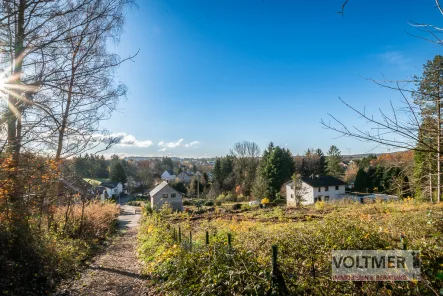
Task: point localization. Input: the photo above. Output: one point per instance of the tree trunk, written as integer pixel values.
(438, 144)
(14, 126)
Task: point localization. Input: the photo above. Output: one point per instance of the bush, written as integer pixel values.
(242, 198)
(209, 203)
(136, 203)
(246, 207)
(265, 200)
(231, 197)
(280, 201)
(218, 203)
(186, 203)
(319, 205)
(50, 254)
(236, 206)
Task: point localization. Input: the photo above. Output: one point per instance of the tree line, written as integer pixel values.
(248, 172)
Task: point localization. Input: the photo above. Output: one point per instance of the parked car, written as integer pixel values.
(254, 203)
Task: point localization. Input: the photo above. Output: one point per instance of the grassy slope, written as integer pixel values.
(305, 238)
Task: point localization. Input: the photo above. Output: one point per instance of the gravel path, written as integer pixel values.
(116, 272)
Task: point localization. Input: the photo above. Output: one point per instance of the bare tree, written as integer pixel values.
(246, 158)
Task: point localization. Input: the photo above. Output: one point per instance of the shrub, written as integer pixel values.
(209, 203)
(221, 198)
(50, 254)
(265, 200)
(246, 207)
(231, 197)
(320, 205)
(136, 203)
(166, 209)
(280, 201)
(186, 203)
(242, 198)
(236, 206)
(218, 203)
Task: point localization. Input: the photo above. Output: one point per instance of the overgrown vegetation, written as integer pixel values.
(304, 248)
(55, 251)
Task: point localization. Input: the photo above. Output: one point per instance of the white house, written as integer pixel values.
(111, 188)
(315, 188)
(164, 193)
(183, 177)
(168, 175)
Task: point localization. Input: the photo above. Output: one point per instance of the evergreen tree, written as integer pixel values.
(321, 165)
(333, 167)
(118, 173)
(217, 171)
(179, 186)
(362, 182)
(275, 168)
(428, 96)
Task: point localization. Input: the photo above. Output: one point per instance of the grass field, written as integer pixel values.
(96, 181)
(305, 238)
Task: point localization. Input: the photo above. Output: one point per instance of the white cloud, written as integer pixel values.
(191, 144)
(162, 150)
(123, 139)
(170, 144)
(178, 143)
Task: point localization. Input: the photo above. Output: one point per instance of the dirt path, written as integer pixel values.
(117, 272)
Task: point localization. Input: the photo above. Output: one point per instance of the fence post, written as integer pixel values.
(190, 241)
(179, 234)
(403, 242)
(274, 263)
(207, 237)
(278, 286)
(229, 240)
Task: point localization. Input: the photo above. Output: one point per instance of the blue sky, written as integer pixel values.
(211, 73)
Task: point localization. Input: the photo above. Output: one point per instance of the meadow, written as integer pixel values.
(238, 261)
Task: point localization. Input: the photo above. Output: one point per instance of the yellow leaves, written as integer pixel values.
(265, 200)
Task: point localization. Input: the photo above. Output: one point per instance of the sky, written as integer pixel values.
(210, 73)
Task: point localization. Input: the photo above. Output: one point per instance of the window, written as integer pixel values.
(336, 187)
(326, 198)
(326, 188)
(319, 189)
(172, 194)
(164, 195)
(292, 196)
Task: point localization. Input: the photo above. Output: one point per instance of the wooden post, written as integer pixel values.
(274, 265)
(229, 240)
(179, 234)
(403, 242)
(207, 237)
(190, 241)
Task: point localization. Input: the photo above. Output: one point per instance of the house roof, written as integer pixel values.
(78, 185)
(169, 172)
(322, 181)
(160, 187)
(109, 184)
